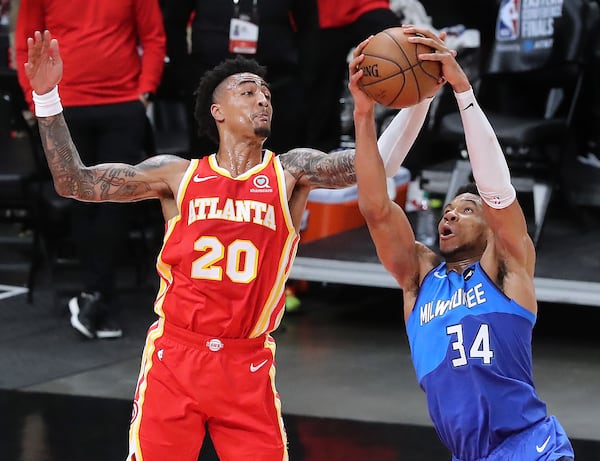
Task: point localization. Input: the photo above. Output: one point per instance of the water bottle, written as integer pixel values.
(426, 225)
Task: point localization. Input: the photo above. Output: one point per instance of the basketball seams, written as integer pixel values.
(386, 33)
(366, 85)
(427, 72)
(410, 68)
(418, 63)
(394, 76)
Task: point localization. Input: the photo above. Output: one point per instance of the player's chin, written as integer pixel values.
(447, 250)
(262, 131)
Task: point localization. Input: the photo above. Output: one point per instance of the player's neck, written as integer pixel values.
(239, 157)
(459, 265)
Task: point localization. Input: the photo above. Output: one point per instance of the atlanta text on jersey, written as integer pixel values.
(232, 210)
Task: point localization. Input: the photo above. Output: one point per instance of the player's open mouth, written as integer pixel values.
(446, 232)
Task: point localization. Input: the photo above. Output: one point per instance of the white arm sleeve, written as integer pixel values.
(399, 136)
(490, 170)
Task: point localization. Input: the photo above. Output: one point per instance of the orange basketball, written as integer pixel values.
(393, 74)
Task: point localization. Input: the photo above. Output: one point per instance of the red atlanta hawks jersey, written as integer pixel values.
(227, 255)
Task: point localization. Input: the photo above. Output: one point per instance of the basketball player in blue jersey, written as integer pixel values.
(469, 315)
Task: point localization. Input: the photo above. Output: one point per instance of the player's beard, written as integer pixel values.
(474, 246)
(455, 253)
(263, 131)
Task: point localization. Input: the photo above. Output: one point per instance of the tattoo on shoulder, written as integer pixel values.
(320, 169)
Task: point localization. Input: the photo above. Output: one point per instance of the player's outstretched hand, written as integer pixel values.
(363, 103)
(451, 69)
(44, 66)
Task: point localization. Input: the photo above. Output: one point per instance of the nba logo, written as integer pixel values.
(509, 19)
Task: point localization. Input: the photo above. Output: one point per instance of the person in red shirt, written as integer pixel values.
(114, 56)
(341, 26)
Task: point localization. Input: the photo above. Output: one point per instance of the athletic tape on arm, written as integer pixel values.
(399, 136)
(490, 170)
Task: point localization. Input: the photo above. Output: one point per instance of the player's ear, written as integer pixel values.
(217, 112)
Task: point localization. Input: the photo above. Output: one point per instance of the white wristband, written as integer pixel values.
(47, 104)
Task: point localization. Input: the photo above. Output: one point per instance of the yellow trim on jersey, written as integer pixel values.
(212, 160)
(283, 198)
(166, 280)
(185, 180)
(163, 269)
(285, 262)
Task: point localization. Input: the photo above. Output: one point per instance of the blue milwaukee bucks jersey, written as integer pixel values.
(471, 349)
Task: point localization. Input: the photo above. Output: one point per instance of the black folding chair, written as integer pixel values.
(530, 89)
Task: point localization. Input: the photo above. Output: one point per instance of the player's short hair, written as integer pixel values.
(469, 188)
(209, 82)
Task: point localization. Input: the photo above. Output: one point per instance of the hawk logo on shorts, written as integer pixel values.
(214, 345)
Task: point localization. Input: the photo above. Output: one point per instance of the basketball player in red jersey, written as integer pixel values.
(232, 222)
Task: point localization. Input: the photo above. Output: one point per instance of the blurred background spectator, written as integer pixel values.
(341, 26)
(277, 33)
(591, 154)
(4, 33)
(114, 56)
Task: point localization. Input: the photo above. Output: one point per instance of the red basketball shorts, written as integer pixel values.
(190, 383)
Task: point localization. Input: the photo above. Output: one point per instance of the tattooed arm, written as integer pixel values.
(307, 169)
(316, 169)
(156, 177)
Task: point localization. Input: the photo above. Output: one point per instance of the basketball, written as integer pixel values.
(393, 75)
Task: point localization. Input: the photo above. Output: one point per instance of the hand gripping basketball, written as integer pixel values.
(393, 74)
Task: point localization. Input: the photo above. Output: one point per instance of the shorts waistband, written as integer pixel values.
(547, 433)
(212, 343)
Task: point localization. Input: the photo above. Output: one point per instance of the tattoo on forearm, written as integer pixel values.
(110, 182)
(116, 183)
(324, 170)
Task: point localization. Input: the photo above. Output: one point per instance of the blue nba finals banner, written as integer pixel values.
(525, 34)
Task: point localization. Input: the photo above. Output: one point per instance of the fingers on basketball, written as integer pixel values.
(393, 75)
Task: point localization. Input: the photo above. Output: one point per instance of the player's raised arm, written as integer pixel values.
(316, 169)
(108, 182)
(388, 225)
(115, 182)
(490, 170)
